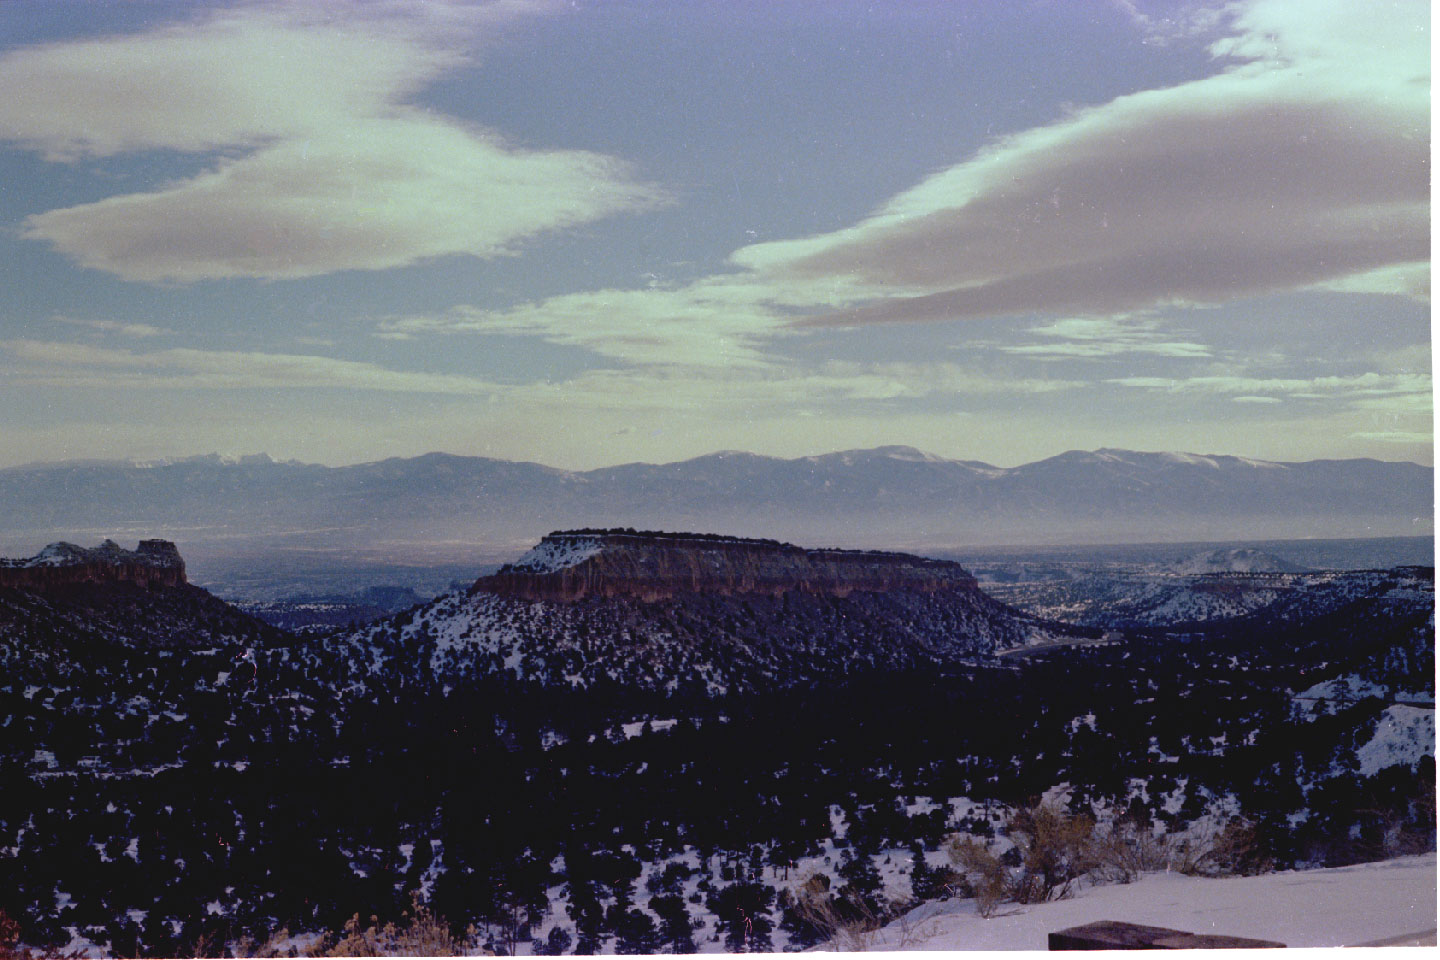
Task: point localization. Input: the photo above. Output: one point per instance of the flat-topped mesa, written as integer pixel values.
(152, 563)
(575, 564)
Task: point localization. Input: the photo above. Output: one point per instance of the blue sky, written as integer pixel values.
(595, 232)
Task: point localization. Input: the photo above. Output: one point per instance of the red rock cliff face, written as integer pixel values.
(566, 567)
(154, 563)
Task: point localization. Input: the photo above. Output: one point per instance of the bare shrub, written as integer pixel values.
(426, 935)
(912, 933)
(275, 945)
(847, 922)
(1128, 850)
(1056, 850)
(10, 948)
(986, 878)
(10, 938)
(1232, 850)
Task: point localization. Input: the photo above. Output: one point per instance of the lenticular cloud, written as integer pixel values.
(1272, 176)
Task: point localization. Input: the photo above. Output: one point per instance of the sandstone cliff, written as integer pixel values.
(572, 565)
(153, 563)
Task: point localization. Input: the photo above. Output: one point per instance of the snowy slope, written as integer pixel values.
(1314, 908)
(1352, 687)
(1403, 735)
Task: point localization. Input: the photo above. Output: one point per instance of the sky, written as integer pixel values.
(601, 231)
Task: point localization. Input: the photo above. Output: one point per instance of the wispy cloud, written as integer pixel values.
(725, 395)
(1393, 436)
(1173, 21)
(1093, 337)
(723, 321)
(1402, 391)
(321, 163)
(716, 392)
(38, 362)
(713, 323)
(138, 330)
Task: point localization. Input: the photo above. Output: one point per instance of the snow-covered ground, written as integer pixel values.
(1352, 687)
(1312, 908)
(1403, 735)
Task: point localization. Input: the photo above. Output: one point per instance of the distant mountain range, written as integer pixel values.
(894, 497)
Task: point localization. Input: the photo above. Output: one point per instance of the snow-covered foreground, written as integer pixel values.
(1311, 908)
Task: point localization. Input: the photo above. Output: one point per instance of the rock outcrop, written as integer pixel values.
(568, 566)
(153, 563)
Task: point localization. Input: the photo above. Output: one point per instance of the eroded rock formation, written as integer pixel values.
(153, 563)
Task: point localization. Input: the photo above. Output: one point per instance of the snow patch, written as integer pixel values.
(1192, 459)
(638, 727)
(1403, 735)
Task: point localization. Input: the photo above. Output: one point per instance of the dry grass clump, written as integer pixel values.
(425, 935)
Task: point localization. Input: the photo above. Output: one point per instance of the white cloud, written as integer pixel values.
(1306, 162)
(392, 192)
(321, 163)
(232, 78)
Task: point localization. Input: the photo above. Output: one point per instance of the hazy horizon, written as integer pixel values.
(237, 458)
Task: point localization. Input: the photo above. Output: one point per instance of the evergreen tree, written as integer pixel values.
(635, 933)
(743, 913)
(924, 882)
(862, 879)
(553, 945)
(588, 915)
(675, 930)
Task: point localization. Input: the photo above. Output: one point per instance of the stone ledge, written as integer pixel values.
(1423, 938)
(1118, 935)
